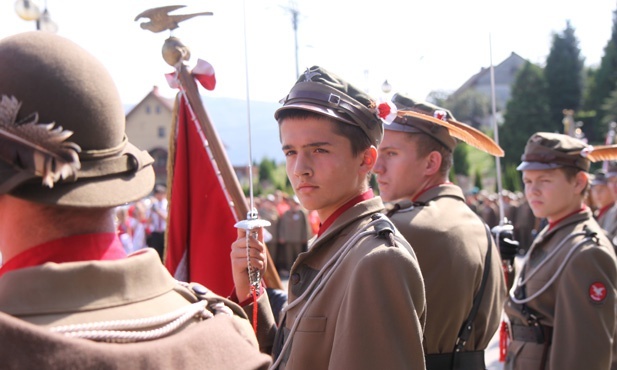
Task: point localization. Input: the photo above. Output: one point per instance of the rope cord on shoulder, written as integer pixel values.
(317, 284)
(521, 282)
(124, 331)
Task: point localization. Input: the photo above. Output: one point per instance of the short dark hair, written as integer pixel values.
(358, 139)
(570, 173)
(425, 144)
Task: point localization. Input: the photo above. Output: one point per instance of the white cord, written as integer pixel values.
(522, 282)
(327, 270)
(123, 331)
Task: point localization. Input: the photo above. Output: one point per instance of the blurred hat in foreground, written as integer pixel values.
(62, 126)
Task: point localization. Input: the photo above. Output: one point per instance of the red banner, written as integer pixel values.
(200, 226)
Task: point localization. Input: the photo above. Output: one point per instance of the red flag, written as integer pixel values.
(200, 226)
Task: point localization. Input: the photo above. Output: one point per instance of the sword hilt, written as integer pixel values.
(251, 224)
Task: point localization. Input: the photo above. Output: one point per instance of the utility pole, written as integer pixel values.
(293, 10)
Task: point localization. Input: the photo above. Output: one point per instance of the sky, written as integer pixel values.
(418, 46)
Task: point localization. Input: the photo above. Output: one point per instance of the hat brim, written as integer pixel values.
(534, 166)
(96, 192)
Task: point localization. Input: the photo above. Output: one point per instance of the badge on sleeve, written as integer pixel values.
(597, 292)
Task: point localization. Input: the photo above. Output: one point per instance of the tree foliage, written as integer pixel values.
(564, 75)
(460, 162)
(469, 107)
(527, 112)
(604, 79)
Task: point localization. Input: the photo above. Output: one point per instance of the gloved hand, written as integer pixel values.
(504, 236)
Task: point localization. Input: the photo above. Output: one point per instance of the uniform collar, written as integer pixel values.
(86, 286)
(444, 189)
(330, 220)
(84, 247)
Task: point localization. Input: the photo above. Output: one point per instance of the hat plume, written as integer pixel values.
(460, 131)
(35, 147)
(600, 153)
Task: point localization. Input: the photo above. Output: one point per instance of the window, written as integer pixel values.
(161, 131)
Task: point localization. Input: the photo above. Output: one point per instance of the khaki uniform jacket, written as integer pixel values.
(450, 241)
(34, 299)
(583, 319)
(370, 313)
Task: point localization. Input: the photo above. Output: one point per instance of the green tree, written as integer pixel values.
(460, 162)
(477, 182)
(469, 107)
(604, 79)
(512, 178)
(564, 76)
(527, 112)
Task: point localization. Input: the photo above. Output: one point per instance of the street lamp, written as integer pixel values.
(386, 87)
(28, 10)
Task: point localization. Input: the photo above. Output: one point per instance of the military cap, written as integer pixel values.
(612, 170)
(598, 178)
(322, 92)
(62, 124)
(546, 150)
(424, 124)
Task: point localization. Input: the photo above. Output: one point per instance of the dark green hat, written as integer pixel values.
(425, 123)
(322, 92)
(545, 150)
(62, 121)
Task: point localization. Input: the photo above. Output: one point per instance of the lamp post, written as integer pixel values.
(29, 10)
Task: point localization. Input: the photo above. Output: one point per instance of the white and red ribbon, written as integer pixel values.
(203, 72)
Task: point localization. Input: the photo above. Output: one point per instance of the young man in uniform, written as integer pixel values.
(356, 297)
(562, 306)
(69, 296)
(451, 241)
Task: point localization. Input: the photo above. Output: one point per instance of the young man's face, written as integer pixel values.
(398, 167)
(550, 194)
(320, 164)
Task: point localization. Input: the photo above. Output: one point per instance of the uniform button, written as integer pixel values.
(295, 278)
(199, 289)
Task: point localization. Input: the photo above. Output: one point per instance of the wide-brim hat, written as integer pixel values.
(438, 123)
(324, 93)
(60, 97)
(424, 122)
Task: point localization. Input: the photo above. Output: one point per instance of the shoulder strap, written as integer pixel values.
(465, 331)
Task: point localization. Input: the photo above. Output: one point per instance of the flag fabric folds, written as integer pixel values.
(200, 227)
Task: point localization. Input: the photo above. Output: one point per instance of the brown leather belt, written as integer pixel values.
(534, 333)
(473, 360)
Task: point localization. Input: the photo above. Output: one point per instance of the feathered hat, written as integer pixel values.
(62, 138)
(439, 123)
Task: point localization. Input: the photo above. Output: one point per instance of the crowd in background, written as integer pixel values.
(140, 223)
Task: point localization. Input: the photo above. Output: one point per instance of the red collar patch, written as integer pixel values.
(597, 292)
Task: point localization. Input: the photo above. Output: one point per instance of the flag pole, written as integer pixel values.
(228, 175)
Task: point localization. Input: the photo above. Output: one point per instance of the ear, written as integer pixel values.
(369, 157)
(580, 181)
(433, 163)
